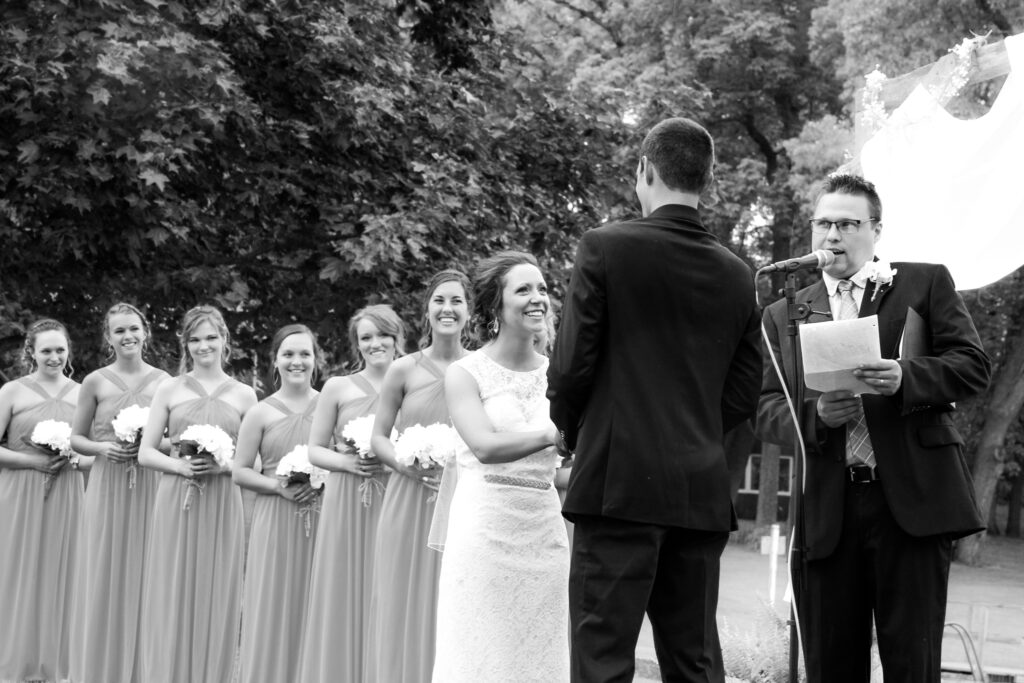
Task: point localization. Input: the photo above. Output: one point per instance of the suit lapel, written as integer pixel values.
(872, 300)
(817, 299)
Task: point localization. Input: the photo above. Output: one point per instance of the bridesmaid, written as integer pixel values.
(117, 508)
(192, 587)
(39, 528)
(339, 600)
(404, 595)
(284, 517)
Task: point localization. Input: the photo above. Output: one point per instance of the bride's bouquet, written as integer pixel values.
(356, 435)
(426, 447)
(295, 468)
(204, 441)
(128, 426)
(53, 436)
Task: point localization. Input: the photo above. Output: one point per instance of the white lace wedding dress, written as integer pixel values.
(502, 612)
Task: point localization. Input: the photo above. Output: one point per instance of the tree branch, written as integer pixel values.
(596, 20)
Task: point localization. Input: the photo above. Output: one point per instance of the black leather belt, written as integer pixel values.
(862, 474)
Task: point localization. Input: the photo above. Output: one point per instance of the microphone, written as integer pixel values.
(816, 259)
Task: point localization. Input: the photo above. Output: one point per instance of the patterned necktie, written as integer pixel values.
(858, 441)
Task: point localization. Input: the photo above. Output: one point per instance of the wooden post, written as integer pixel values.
(768, 487)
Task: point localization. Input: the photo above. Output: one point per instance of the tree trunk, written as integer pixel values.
(1016, 500)
(1003, 408)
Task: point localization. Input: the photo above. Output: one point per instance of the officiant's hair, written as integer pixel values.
(387, 322)
(275, 346)
(683, 152)
(488, 284)
(34, 330)
(847, 183)
(193, 319)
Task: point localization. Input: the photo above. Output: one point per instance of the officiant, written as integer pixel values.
(887, 487)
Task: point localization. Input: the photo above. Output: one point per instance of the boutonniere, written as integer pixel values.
(882, 274)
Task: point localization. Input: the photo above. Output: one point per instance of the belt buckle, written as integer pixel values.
(862, 474)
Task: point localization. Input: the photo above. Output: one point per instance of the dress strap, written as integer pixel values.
(114, 378)
(149, 379)
(194, 384)
(276, 403)
(34, 386)
(429, 365)
(64, 391)
(363, 384)
(223, 387)
(311, 408)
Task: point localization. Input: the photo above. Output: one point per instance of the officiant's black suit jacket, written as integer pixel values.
(918, 450)
(657, 355)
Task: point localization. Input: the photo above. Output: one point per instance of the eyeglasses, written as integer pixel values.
(845, 226)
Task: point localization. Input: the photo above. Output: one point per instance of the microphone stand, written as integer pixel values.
(796, 314)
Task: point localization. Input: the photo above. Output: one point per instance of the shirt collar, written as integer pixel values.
(859, 279)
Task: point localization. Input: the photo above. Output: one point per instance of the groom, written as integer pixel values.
(657, 356)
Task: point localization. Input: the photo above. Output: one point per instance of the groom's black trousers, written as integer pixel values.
(622, 569)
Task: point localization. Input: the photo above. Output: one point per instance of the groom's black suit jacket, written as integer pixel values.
(657, 355)
(918, 451)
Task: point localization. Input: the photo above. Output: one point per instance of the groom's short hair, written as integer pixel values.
(683, 152)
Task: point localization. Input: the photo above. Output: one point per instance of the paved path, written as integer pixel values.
(987, 600)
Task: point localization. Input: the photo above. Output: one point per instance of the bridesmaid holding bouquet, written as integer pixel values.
(117, 508)
(404, 595)
(339, 601)
(40, 510)
(193, 583)
(285, 515)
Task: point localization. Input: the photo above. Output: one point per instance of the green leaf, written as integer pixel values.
(154, 177)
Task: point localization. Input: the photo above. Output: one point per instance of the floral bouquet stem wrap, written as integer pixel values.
(295, 468)
(204, 441)
(128, 429)
(54, 437)
(356, 437)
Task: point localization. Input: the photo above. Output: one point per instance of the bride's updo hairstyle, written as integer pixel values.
(193, 319)
(488, 283)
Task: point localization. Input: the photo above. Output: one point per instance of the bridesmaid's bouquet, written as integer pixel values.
(204, 441)
(426, 447)
(54, 437)
(295, 468)
(356, 435)
(128, 429)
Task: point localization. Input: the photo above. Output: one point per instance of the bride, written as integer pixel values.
(502, 611)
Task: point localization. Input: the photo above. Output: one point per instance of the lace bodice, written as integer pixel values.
(515, 402)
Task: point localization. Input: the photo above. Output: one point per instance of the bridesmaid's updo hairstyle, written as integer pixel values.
(275, 346)
(28, 362)
(193, 319)
(386, 320)
(488, 283)
(438, 279)
(122, 307)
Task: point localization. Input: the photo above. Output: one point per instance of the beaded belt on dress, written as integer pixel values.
(517, 481)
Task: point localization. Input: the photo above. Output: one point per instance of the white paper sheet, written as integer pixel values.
(832, 350)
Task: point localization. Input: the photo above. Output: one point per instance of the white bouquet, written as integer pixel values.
(204, 441)
(207, 441)
(357, 434)
(426, 447)
(53, 436)
(129, 423)
(295, 468)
